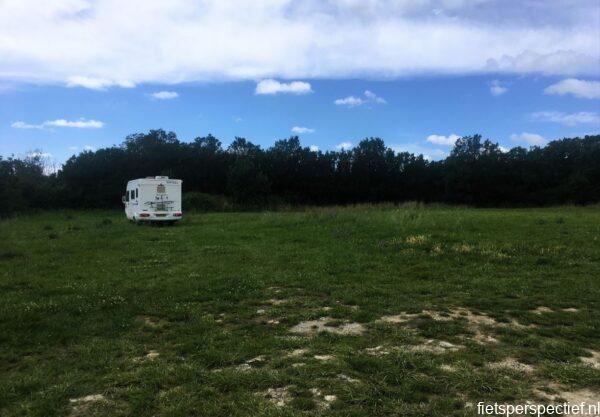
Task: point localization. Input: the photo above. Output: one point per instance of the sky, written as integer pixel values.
(79, 75)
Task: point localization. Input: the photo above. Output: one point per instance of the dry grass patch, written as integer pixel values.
(153, 322)
(279, 397)
(322, 401)
(348, 379)
(247, 366)
(278, 301)
(593, 360)
(81, 406)
(297, 352)
(476, 323)
(512, 364)
(377, 351)
(462, 248)
(324, 358)
(542, 310)
(437, 347)
(416, 240)
(151, 355)
(557, 394)
(313, 327)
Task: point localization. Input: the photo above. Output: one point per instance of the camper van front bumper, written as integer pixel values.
(159, 217)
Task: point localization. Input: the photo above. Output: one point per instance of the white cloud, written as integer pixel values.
(165, 95)
(449, 140)
(568, 119)
(96, 83)
(73, 148)
(103, 43)
(349, 101)
(352, 101)
(43, 155)
(579, 88)
(558, 61)
(344, 146)
(89, 148)
(238, 120)
(497, 89)
(300, 129)
(374, 98)
(80, 124)
(314, 148)
(275, 87)
(529, 138)
(22, 125)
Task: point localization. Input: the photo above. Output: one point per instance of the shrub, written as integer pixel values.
(205, 202)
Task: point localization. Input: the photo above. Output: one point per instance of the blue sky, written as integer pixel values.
(413, 73)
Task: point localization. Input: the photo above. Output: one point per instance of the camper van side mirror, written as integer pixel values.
(123, 199)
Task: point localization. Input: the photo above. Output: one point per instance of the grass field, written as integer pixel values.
(366, 311)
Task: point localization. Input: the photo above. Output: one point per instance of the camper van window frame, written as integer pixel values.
(127, 196)
(133, 194)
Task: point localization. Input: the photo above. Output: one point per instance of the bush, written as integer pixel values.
(205, 202)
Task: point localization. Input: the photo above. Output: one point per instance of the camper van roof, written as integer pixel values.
(157, 178)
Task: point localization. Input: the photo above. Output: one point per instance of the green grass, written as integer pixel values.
(84, 296)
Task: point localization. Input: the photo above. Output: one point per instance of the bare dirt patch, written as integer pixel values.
(312, 327)
(542, 310)
(324, 358)
(80, 406)
(322, 401)
(348, 379)
(593, 360)
(297, 352)
(448, 368)
(151, 355)
(278, 301)
(512, 364)
(279, 397)
(250, 364)
(377, 351)
(153, 321)
(482, 338)
(570, 310)
(477, 322)
(398, 318)
(247, 366)
(557, 393)
(436, 347)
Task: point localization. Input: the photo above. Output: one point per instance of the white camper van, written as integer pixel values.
(153, 199)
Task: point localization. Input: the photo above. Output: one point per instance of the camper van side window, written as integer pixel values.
(132, 194)
(136, 193)
(127, 196)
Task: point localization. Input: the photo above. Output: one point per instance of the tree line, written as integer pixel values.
(476, 172)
